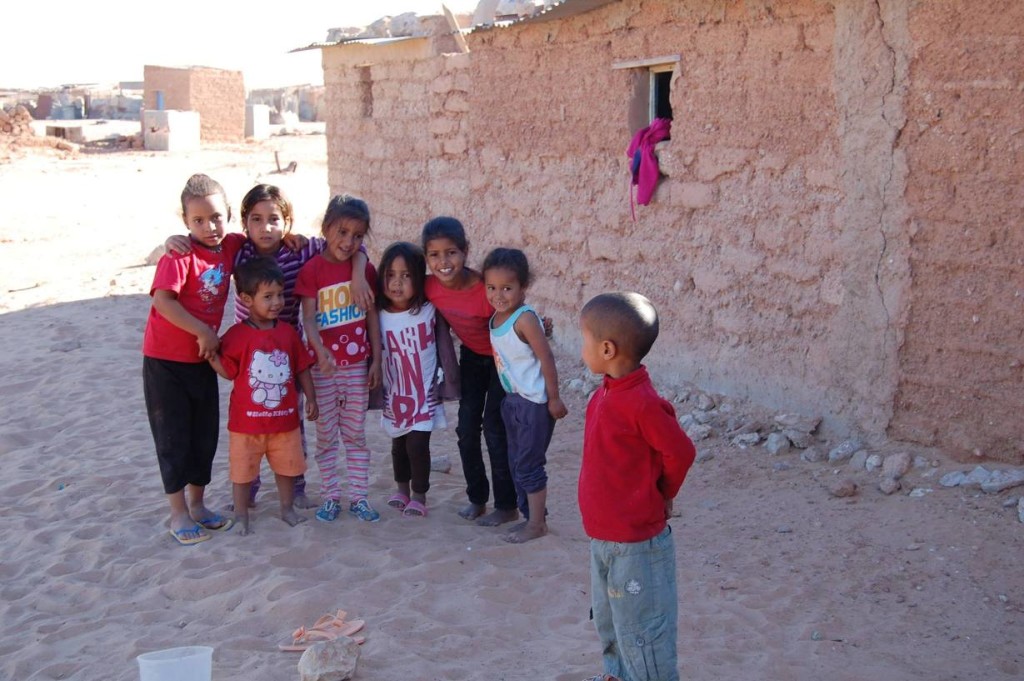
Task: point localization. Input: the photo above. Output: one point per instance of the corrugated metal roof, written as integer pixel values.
(359, 41)
(561, 10)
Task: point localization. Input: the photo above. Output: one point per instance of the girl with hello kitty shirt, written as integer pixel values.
(268, 363)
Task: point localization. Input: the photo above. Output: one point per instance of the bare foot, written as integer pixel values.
(243, 527)
(518, 526)
(292, 518)
(526, 532)
(472, 511)
(302, 501)
(498, 517)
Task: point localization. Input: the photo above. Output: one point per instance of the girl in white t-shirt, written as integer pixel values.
(412, 406)
(526, 368)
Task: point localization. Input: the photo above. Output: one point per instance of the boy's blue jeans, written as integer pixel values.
(633, 594)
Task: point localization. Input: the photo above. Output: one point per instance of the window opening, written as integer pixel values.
(652, 89)
(661, 103)
(366, 91)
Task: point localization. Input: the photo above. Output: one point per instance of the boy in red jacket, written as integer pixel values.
(635, 457)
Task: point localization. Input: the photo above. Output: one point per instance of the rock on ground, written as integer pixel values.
(843, 488)
(844, 450)
(896, 465)
(329, 661)
(889, 485)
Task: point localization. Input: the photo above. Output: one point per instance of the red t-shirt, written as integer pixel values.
(635, 457)
(263, 364)
(467, 311)
(342, 325)
(200, 280)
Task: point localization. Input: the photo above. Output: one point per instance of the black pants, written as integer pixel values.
(184, 415)
(480, 409)
(410, 457)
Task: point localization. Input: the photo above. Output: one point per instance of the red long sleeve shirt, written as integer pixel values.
(635, 457)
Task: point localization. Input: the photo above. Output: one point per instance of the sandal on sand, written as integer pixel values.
(217, 523)
(327, 628)
(398, 501)
(190, 535)
(415, 509)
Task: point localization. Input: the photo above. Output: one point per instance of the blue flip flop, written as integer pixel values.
(183, 538)
(217, 523)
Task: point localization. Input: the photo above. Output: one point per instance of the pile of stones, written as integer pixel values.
(17, 122)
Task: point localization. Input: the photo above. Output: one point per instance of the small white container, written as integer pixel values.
(190, 663)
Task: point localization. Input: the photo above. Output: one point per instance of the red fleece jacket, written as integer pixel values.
(635, 457)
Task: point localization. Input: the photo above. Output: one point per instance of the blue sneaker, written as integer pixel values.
(361, 509)
(329, 511)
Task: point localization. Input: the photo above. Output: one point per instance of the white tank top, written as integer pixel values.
(518, 368)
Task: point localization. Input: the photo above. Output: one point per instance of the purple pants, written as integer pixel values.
(529, 426)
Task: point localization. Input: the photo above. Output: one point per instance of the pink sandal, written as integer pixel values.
(415, 509)
(327, 628)
(398, 501)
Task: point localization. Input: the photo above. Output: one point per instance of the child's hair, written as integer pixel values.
(511, 259)
(417, 264)
(445, 227)
(628, 319)
(251, 273)
(200, 186)
(267, 192)
(345, 207)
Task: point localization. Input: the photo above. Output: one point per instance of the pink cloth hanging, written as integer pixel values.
(644, 162)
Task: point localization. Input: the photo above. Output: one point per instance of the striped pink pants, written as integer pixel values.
(342, 397)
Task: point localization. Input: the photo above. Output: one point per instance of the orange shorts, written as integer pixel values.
(283, 450)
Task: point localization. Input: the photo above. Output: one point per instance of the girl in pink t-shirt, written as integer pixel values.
(348, 363)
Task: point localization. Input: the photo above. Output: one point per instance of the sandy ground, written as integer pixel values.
(777, 578)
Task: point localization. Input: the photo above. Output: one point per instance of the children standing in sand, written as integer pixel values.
(526, 368)
(348, 363)
(635, 458)
(189, 292)
(267, 219)
(266, 359)
(412, 406)
(458, 294)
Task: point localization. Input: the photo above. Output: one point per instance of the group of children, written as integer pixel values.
(319, 329)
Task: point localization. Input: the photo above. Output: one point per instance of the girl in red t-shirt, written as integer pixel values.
(458, 294)
(338, 331)
(189, 292)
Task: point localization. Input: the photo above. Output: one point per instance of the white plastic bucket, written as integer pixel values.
(191, 663)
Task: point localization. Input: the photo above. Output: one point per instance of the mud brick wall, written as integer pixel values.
(961, 376)
(218, 95)
(397, 134)
(837, 230)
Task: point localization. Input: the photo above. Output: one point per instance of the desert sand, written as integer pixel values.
(777, 578)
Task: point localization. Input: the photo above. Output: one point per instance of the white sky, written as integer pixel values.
(77, 41)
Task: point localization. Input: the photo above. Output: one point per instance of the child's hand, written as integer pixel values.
(557, 408)
(295, 242)
(208, 344)
(373, 380)
(324, 362)
(312, 410)
(362, 294)
(668, 508)
(179, 243)
(549, 330)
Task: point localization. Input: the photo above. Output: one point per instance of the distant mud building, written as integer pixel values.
(218, 95)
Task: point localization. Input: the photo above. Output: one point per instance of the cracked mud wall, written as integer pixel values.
(789, 246)
(870, 74)
(961, 378)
